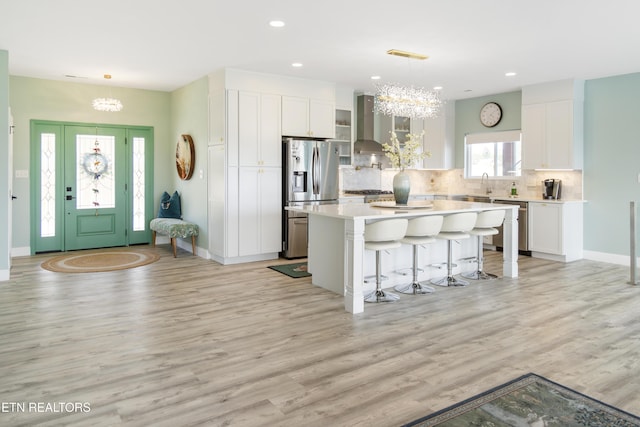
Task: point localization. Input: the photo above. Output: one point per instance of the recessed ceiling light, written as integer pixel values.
(375, 77)
(437, 88)
(297, 64)
(510, 74)
(276, 24)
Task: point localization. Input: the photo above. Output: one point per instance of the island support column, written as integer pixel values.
(353, 266)
(510, 243)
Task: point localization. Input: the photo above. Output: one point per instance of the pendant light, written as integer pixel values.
(107, 104)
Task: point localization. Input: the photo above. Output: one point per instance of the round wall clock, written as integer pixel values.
(185, 157)
(490, 114)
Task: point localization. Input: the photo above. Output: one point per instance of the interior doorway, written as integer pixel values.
(93, 185)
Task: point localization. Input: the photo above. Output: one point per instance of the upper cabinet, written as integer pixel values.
(439, 138)
(309, 118)
(344, 135)
(552, 123)
(259, 137)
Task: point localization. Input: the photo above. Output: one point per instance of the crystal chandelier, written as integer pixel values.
(107, 104)
(406, 101)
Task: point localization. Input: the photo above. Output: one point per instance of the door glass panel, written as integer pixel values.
(47, 185)
(138, 184)
(95, 177)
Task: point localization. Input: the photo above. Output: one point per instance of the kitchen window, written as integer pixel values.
(498, 154)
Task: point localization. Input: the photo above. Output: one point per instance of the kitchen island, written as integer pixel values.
(336, 240)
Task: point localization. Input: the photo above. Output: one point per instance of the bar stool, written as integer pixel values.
(420, 231)
(381, 236)
(485, 224)
(454, 227)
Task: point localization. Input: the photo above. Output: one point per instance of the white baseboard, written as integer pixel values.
(23, 251)
(610, 258)
(4, 275)
(241, 259)
(183, 244)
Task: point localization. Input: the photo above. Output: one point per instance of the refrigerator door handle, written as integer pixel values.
(314, 171)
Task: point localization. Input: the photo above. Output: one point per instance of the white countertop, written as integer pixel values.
(367, 211)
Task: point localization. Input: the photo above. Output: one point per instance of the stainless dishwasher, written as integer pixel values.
(523, 239)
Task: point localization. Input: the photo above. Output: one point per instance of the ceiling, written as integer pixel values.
(471, 44)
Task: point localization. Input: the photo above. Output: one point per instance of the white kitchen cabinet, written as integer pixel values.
(344, 135)
(259, 137)
(555, 230)
(260, 210)
(306, 117)
(439, 138)
(547, 136)
(552, 125)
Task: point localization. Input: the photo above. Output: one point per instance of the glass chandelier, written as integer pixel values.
(406, 101)
(107, 104)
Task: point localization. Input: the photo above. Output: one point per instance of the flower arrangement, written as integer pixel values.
(407, 156)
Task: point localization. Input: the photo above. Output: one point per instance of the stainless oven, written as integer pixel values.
(371, 196)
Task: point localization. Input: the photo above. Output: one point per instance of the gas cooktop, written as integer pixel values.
(367, 192)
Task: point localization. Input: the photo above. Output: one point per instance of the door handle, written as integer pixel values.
(13, 197)
(70, 197)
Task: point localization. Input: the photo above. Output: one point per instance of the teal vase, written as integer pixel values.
(401, 188)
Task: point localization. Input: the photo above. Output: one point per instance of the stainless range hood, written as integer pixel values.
(365, 142)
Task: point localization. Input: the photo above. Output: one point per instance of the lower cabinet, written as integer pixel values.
(555, 230)
(259, 211)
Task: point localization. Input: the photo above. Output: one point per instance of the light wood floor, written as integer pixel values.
(189, 342)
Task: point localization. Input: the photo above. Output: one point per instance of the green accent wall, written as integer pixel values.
(611, 161)
(40, 99)
(468, 118)
(189, 115)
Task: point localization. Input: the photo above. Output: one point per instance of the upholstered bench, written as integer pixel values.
(174, 228)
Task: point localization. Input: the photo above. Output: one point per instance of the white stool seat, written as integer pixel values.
(380, 236)
(484, 226)
(454, 227)
(420, 231)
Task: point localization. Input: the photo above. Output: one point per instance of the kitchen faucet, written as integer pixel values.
(377, 165)
(482, 180)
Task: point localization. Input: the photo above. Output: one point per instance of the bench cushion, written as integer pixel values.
(174, 227)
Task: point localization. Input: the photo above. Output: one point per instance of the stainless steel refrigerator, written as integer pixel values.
(310, 177)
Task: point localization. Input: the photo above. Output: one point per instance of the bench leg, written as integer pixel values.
(153, 238)
(193, 244)
(173, 245)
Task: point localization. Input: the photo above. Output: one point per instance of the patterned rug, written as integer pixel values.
(530, 400)
(296, 270)
(99, 260)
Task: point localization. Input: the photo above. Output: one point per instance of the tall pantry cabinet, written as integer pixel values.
(245, 163)
(245, 197)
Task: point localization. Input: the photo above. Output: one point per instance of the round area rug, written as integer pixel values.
(98, 261)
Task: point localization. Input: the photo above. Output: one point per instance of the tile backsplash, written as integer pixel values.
(453, 182)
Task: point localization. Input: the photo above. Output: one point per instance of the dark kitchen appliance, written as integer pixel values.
(310, 176)
(551, 189)
(523, 233)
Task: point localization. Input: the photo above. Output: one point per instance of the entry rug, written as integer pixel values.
(296, 270)
(94, 261)
(530, 400)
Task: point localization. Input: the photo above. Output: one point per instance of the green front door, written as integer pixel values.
(95, 191)
(92, 185)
